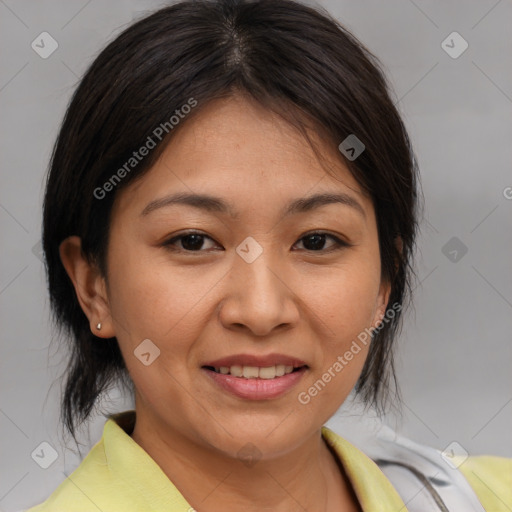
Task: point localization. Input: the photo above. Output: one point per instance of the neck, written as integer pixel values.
(307, 478)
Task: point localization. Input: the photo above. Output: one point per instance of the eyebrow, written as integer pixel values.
(217, 205)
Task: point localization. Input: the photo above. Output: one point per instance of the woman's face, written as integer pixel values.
(260, 285)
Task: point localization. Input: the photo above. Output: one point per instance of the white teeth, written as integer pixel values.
(250, 372)
(236, 371)
(267, 373)
(255, 372)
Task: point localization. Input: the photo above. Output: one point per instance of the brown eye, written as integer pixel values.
(192, 242)
(316, 242)
(189, 242)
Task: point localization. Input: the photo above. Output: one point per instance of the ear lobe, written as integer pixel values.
(89, 286)
(382, 303)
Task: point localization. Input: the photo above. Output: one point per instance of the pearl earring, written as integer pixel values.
(98, 326)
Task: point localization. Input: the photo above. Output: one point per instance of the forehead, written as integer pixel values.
(235, 148)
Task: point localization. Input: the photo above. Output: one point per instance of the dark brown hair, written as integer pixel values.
(290, 58)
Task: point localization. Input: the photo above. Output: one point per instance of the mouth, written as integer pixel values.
(256, 377)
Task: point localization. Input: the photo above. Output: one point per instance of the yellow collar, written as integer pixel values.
(373, 490)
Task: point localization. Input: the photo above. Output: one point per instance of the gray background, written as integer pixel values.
(455, 351)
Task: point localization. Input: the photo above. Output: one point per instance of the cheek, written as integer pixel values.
(345, 302)
(151, 301)
(169, 306)
(153, 298)
(345, 307)
(344, 299)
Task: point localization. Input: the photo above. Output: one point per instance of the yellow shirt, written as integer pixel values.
(117, 475)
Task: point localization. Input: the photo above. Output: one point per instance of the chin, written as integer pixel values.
(260, 436)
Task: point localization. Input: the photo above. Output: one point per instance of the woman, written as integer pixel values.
(229, 222)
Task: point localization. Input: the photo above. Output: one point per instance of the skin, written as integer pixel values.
(198, 306)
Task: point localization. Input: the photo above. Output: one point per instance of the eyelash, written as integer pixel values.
(339, 244)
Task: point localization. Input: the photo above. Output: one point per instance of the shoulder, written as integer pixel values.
(117, 474)
(72, 493)
(491, 479)
(95, 483)
(459, 482)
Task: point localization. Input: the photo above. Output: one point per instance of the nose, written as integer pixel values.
(260, 298)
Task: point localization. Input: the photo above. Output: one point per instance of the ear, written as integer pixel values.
(385, 289)
(90, 286)
(382, 302)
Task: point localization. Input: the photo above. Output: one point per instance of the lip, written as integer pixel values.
(261, 361)
(255, 389)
